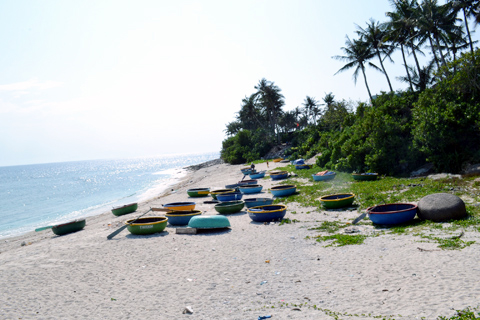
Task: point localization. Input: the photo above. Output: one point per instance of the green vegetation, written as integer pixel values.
(436, 120)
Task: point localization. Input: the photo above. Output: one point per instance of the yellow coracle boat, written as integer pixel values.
(277, 160)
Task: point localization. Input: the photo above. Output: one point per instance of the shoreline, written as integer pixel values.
(247, 271)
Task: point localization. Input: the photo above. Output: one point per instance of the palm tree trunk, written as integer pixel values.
(366, 83)
(406, 67)
(468, 31)
(415, 57)
(440, 50)
(383, 68)
(433, 51)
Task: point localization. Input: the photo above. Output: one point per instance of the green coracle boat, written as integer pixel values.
(335, 201)
(149, 225)
(198, 192)
(69, 227)
(125, 209)
(230, 207)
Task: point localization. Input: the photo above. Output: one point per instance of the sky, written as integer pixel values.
(100, 79)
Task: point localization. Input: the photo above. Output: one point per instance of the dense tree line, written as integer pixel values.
(436, 119)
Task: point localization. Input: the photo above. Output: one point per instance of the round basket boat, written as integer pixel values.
(365, 176)
(335, 201)
(326, 177)
(214, 193)
(277, 160)
(69, 227)
(255, 202)
(230, 207)
(125, 209)
(250, 181)
(230, 196)
(279, 175)
(393, 213)
(198, 192)
(181, 218)
(250, 188)
(257, 175)
(148, 225)
(246, 170)
(283, 191)
(267, 213)
(209, 222)
(303, 166)
(180, 206)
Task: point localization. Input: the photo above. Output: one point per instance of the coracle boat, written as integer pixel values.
(214, 193)
(198, 192)
(148, 225)
(278, 175)
(181, 218)
(303, 166)
(250, 188)
(255, 202)
(230, 196)
(69, 227)
(365, 176)
(283, 191)
(267, 213)
(335, 201)
(180, 206)
(257, 175)
(324, 176)
(241, 183)
(247, 170)
(230, 207)
(277, 160)
(125, 209)
(392, 214)
(209, 222)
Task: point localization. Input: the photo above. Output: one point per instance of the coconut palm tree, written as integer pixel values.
(374, 35)
(434, 22)
(249, 115)
(468, 9)
(402, 27)
(271, 100)
(423, 79)
(357, 54)
(311, 107)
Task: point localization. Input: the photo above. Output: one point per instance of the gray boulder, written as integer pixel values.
(441, 207)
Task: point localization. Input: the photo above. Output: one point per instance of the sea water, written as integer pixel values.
(37, 195)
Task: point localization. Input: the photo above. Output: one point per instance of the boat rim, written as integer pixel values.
(369, 210)
(162, 220)
(337, 194)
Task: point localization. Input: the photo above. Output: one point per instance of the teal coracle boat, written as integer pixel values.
(125, 209)
(284, 190)
(330, 175)
(335, 201)
(209, 222)
(148, 225)
(69, 227)
(279, 175)
(230, 207)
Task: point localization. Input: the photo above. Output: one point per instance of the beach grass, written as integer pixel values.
(388, 190)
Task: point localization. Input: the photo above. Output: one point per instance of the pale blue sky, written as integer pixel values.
(118, 79)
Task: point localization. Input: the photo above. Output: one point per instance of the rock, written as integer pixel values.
(423, 170)
(441, 207)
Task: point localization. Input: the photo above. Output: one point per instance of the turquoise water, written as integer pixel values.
(38, 195)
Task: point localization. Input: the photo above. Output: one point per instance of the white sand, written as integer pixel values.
(218, 275)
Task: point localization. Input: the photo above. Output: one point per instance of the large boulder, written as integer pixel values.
(441, 207)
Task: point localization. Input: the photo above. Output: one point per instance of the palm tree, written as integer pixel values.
(357, 54)
(468, 9)
(402, 27)
(329, 99)
(249, 114)
(311, 107)
(435, 22)
(421, 80)
(374, 35)
(271, 100)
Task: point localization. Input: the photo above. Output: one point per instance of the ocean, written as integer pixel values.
(39, 195)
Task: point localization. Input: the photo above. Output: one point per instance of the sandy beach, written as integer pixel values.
(247, 271)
